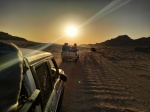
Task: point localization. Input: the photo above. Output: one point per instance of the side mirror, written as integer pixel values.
(63, 77)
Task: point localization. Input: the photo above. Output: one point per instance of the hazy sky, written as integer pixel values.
(97, 20)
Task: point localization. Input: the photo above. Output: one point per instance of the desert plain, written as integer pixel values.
(112, 79)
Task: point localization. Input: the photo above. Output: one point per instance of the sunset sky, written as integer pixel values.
(96, 20)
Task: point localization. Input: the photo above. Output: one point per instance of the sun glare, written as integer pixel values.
(71, 31)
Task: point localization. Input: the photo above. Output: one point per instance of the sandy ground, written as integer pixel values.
(109, 80)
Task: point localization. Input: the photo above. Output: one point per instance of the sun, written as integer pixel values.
(71, 31)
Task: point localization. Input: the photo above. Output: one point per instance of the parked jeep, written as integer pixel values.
(93, 49)
(42, 85)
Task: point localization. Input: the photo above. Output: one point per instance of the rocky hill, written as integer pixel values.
(125, 40)
(144, 41)
(6, 36)
(21, 42)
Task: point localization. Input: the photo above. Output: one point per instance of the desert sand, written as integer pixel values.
(112, 79)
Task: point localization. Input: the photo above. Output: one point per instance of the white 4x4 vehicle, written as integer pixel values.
(70, 55)
(42, 85)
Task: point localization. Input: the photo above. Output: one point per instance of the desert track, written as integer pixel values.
(97, 85)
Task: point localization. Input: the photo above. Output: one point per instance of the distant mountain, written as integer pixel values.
(122, 40)
(6, 36)
(125, 40)
(83, 45)
(21, 42)
(142, 41)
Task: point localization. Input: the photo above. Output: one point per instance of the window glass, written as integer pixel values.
(44, 80)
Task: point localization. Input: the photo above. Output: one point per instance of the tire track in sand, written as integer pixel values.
(108, 94)
(92, 87)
